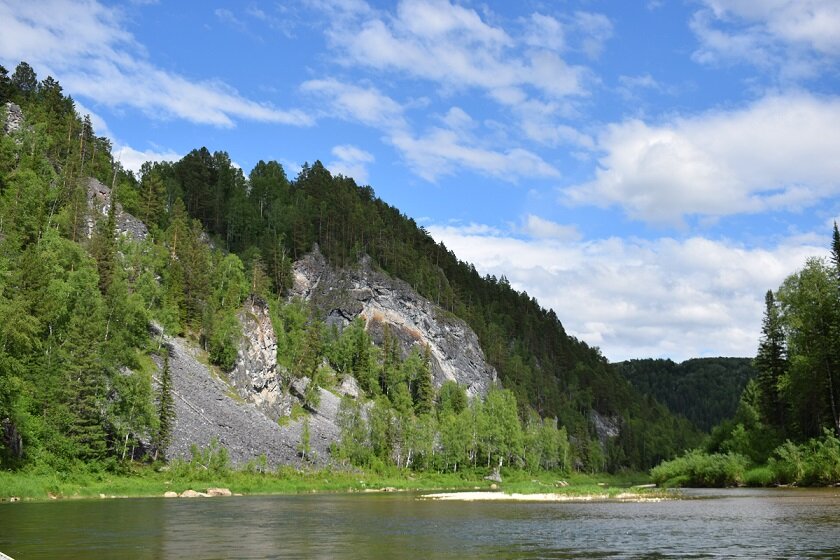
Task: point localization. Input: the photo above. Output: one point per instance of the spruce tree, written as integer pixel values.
(166, 410)
(424, 390)
(771, 363)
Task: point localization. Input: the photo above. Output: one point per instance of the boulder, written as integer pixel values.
(193, 494)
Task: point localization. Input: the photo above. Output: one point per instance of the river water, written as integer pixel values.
(710, 524)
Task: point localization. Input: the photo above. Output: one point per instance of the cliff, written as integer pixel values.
(210, 406)
(362, 291)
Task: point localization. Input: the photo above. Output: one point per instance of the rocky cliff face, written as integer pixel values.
(207, 406)
(99, 201)
(12, 118)
(343, 295)
(256, 376)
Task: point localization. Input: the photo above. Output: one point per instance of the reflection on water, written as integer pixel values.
(720, 523)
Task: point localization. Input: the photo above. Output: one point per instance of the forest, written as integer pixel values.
(76, 372)
(706, 391)
(786, 426)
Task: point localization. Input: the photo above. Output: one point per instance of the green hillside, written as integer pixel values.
(74, 368)
(704, 390)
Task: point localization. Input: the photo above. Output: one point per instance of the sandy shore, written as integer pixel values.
(504, 497)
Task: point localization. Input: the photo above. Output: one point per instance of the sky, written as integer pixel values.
(648, 169)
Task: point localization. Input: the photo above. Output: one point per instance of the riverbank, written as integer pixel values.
(149, 482)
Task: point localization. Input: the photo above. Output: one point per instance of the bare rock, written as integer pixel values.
(170, 494)
(213, 492)
(350, 387)
(495, 476)
(343, 295)
(99, 201)
(12, 118)
(193, 494)
(256, 376)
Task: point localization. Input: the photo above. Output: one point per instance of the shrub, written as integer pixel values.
(700, 469)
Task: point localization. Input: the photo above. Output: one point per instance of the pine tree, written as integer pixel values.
(166, 410)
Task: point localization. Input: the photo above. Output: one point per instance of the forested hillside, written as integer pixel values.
(704, 390)
(75, 373)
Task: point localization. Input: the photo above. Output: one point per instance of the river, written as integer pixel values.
(708, 524)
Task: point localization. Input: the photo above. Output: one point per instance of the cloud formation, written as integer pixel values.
(86, 47)
(634, 298)
(794, 39)
(351, 162)
(778, 153)
(522, 69)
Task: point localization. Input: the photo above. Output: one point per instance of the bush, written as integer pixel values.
(703, 470)
(760, 476)
(815, 463)
(206, 463)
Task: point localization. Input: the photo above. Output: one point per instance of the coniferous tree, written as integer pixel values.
(103, 247)
(771, 364)
(424, 390)
(165, 410)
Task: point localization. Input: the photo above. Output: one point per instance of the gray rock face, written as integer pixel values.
(205, 409)
(381, 301)
(607, 427)
(12, 118)
(99, 201)
(256, 376)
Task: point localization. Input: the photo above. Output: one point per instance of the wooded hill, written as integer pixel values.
(704, 390)
(75, 304)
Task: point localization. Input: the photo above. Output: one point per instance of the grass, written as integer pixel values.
(146, 481)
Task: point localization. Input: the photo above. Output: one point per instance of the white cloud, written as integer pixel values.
(440, 150)
(86, 47)
(351, 162)
(452, 45)
(545, 32)
(460, 50)
(778, 153)
(596, 29)
(443, 151)
(132, 159)
(368, 105)
(793, 38)
(540, 228)
(637, 298)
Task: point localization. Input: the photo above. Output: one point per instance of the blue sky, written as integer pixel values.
(648, 169)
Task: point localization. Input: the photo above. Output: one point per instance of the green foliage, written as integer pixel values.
(165, 409)
(704, 390)
(206, 463)
(72, 385)
(698, 469)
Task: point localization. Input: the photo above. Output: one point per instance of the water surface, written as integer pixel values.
(714, 524)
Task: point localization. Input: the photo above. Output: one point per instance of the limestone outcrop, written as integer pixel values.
(207, 408)
(363, 291)
(255, 375)
(99, 201)
(12, 118)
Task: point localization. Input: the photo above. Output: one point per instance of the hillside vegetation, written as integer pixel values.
(704, 390)
(75, 375)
